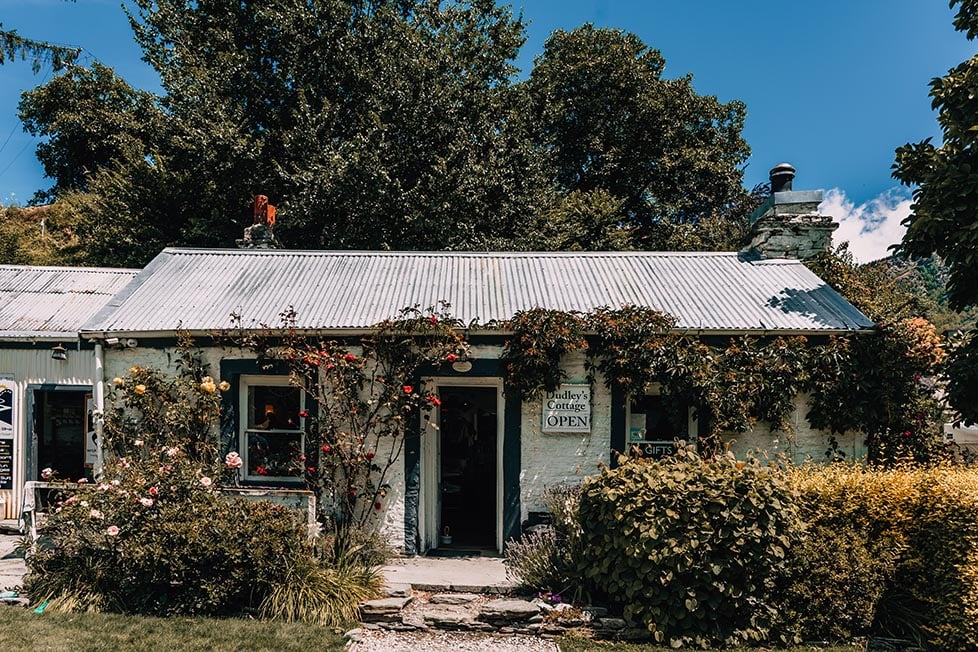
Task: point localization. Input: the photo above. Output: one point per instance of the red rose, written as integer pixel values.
(153, 491)
(451, 357)
(377, 506)
(312, 362)
(303, 414)
(408, 389)
(369, 456)
(302, 458)
(261, 470)
(434, 400)
(311, 469)
(432, 320)
(325, 448)
(349, 357)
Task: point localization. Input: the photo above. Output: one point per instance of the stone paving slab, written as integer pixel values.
(458, 574)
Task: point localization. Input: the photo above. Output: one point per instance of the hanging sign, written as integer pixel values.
(6, 431)
(568, 409)
(6, 405)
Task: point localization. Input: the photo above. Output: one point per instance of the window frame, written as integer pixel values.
(245, 383)
(692, 423)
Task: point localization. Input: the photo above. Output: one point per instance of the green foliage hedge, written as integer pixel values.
(721, 551)
(927, 520)
(689, 547)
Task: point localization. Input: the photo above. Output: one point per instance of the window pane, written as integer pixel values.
(274, 454)
(651, 414)
(273, 407)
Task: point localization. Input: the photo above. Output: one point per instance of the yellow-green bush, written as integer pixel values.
(928, 517)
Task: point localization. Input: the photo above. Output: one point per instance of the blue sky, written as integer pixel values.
(832, 86)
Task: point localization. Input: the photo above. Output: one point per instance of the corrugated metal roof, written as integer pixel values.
(198, 289)
(48, 302)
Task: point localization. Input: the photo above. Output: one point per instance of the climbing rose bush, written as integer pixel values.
(154, 535)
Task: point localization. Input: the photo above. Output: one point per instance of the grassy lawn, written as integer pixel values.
(22, 629)
(575, 644)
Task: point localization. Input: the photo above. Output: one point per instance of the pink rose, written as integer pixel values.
(147, 502)
(206, 481)
(112, 531)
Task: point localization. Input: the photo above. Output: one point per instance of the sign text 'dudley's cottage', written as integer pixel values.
(568, 409)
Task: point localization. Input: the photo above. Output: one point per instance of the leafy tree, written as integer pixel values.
(944, 218)
(14, 46)
(608, 120)
(944, 215)
(90, 118)
(388, 124)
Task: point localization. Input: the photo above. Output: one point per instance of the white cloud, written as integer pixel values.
(870, 228)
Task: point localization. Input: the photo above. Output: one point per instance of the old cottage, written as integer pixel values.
(47, 372)
(480, 472)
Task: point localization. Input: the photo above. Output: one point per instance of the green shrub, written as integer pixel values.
(548, 558)
(927, 519)
(833, 585)
(689, 548)
(313, 593)
(162, 542)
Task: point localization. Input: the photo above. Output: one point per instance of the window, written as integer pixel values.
(272, 433)
(655, 422)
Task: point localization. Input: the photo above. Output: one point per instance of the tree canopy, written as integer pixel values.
(944, 214)
(388, 124)
(944, 217)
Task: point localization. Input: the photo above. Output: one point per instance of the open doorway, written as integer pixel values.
(63, 437)
(468, 446)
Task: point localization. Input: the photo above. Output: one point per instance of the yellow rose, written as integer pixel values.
(134, 370)
(139, 389)
(116, 381)
(225, 385)
(208, 386)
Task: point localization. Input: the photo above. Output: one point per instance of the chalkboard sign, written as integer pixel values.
(6, 463)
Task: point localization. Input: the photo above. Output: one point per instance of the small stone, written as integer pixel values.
(397, 590)
(383, 609)
(507, 610)
(611, 623)
(371, 626)
(453, 598)
(535, 627)
(634, 634)
(536, 619)
(414, 619)
(355, 635)
(507, 630)
(596, 612)
(447, 616)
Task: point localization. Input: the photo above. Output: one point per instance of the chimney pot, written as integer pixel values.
(781, 176)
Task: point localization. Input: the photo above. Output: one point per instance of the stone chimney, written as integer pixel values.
(261, 234)
(788, 224)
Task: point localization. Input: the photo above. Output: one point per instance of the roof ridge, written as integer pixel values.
(506, 254)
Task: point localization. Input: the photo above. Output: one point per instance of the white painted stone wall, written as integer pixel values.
(563, 458)
(803, 443)
(546, 458)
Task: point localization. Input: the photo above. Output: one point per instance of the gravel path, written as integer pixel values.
(441, 641)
